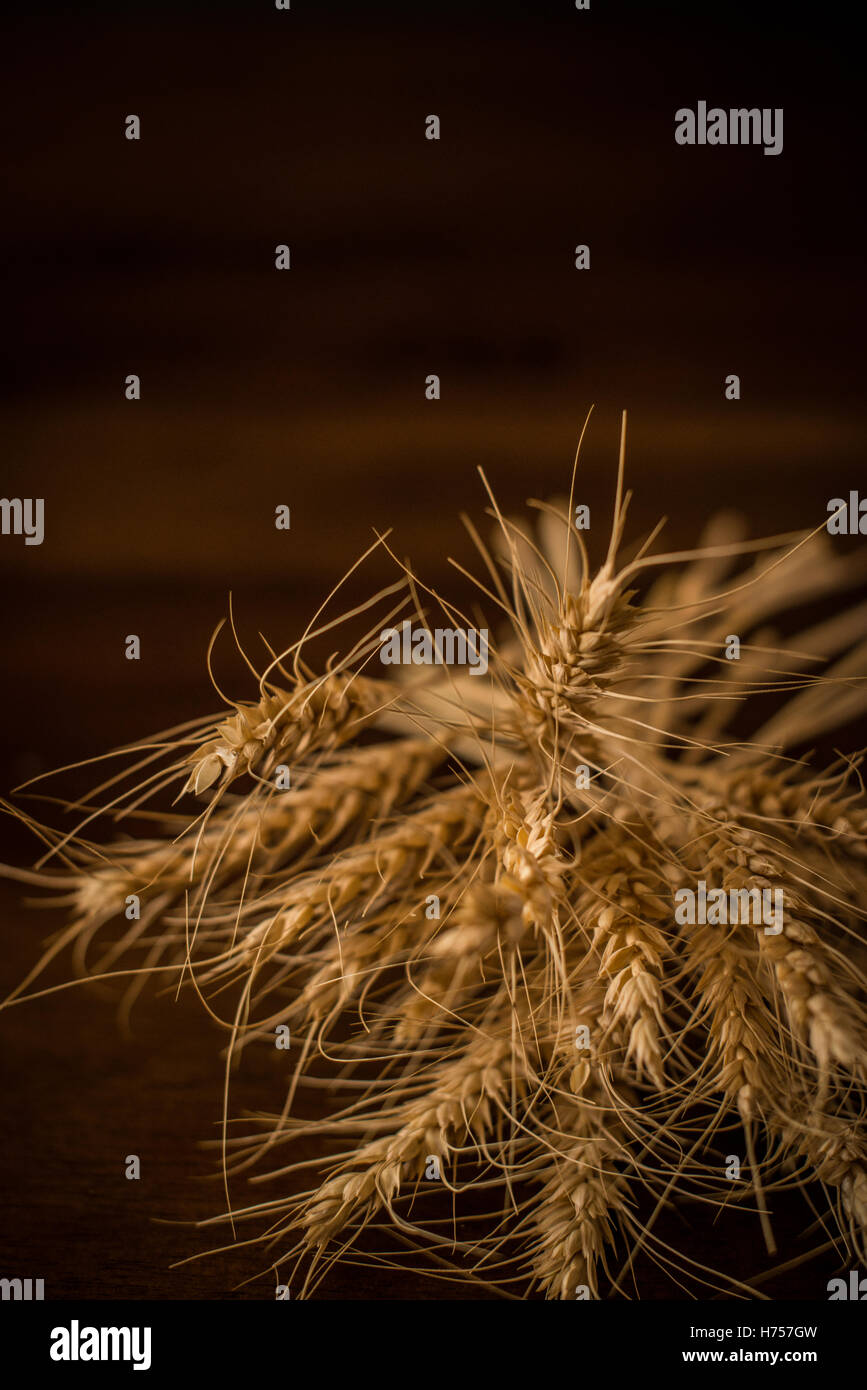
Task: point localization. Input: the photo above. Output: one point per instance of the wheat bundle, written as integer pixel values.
(463, 912)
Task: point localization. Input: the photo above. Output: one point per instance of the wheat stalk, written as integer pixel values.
(477, 948)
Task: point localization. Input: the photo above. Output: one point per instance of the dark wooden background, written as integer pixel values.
(306, 388)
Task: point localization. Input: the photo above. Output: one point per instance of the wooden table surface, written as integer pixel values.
(306, 389)
(79, 1095)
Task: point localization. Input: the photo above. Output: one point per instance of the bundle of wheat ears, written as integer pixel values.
(460, 917)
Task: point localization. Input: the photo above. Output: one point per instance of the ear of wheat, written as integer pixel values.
(475, 947)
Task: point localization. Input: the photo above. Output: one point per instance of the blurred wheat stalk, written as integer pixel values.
(460, 1037)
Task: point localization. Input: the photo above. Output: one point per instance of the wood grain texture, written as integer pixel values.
(307, 389)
